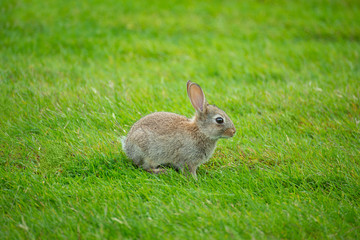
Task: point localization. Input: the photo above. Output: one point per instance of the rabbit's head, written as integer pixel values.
(211, 120)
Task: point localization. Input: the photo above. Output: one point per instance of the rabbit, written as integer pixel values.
(163, 138)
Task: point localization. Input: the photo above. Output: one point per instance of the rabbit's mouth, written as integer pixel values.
(230, 132)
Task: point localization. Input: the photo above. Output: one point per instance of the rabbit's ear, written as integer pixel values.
(196, 96)
(187, 86)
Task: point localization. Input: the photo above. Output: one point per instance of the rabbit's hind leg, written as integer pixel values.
(156, 170)
(152, 167)
(135, 154)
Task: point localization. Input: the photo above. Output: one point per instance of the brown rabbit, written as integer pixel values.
(168, 138)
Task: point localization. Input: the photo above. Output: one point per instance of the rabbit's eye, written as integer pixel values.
(219, 120)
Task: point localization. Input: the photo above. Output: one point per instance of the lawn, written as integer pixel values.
(75, 75)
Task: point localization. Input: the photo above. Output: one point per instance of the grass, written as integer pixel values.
(75, 75)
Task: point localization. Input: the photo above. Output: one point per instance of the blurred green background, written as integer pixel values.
(75, 75)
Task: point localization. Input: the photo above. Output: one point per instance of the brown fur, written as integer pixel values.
(168, 138)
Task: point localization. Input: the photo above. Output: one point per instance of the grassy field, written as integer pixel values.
(75, 75)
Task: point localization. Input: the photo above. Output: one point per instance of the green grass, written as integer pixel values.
(74, 77)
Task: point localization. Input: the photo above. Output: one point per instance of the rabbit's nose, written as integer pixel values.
(230, 132)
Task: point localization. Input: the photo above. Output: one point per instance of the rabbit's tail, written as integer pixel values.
(122, 139)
